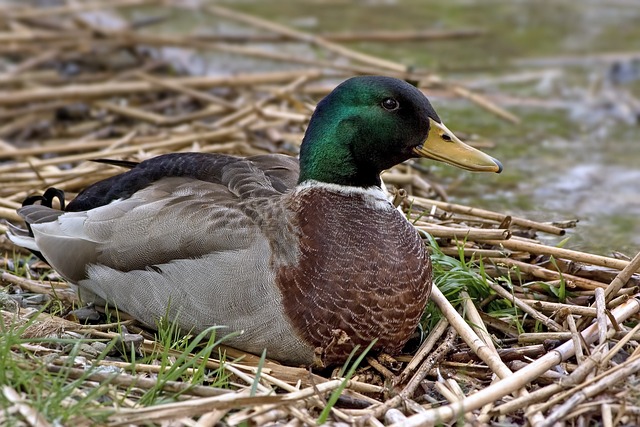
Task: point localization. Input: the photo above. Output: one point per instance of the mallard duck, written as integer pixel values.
(305, 259)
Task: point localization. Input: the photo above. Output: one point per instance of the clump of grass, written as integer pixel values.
(183, 357)
(455, 275)
(44, 370)
(55, 396)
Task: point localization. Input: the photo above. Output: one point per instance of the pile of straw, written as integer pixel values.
(72, 90)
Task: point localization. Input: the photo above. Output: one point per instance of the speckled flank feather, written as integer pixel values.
(363, 271)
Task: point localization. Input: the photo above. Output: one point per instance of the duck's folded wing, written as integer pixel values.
(176, 218)
(176, 206)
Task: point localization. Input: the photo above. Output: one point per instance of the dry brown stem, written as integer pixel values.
(495, 216)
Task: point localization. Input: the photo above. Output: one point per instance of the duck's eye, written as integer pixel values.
(390, 104)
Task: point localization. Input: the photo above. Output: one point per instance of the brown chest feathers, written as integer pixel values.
(363, 274)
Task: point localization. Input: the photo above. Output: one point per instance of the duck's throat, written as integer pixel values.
(339, 168)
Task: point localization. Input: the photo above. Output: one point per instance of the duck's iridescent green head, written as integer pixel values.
(371, 123)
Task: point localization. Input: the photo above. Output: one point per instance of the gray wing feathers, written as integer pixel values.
(36, 214)
(174, 218)
(151, 227)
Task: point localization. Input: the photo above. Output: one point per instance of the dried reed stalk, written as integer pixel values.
(29, 13)
(350, 37)
(468, 335)
(495, 216)
(616, 375)
(516, 244)
(546, 274)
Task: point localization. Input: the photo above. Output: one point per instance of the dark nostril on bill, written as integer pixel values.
(446, 137)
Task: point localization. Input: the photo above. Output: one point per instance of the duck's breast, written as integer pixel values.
(363, 273)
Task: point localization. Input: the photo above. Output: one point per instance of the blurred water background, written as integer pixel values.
(570, 70)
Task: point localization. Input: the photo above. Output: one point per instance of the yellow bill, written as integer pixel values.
(441, 144)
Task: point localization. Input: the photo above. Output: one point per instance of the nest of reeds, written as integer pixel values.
(517, 332)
